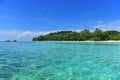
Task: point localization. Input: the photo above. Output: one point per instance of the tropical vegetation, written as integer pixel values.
(84, 35)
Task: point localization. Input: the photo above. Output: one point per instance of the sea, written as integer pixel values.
(59, 60)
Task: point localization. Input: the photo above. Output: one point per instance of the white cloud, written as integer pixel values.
(24, 34)
(20, 35)
(31, 34)
(115, 25)
(28, 35)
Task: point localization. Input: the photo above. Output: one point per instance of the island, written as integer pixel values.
(84, 35)
(11, 41)
(14, 41)
(8, 41)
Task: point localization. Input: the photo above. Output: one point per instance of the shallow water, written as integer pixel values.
(59, 61)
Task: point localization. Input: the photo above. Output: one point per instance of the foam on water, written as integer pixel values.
(59, 61)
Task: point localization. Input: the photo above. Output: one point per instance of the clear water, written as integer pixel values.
(60, 61)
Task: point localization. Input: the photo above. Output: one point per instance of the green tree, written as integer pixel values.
(85, 34)
(97, 34)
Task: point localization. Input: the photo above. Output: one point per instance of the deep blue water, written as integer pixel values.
(59, 61)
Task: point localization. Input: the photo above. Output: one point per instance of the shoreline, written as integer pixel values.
(79, 41)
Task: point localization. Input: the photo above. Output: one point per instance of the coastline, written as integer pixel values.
(79, 41)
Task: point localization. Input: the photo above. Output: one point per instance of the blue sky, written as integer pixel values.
(28, 18)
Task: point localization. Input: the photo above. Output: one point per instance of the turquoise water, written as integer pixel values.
(60, 61)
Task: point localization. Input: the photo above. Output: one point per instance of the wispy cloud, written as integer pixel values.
(32, 34)
(20, 35)
(23, 35)
(115, 25)
(28, 35)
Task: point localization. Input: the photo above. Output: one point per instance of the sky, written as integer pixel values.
(25, 19)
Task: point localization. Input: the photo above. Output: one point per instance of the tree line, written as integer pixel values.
(84, 35)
